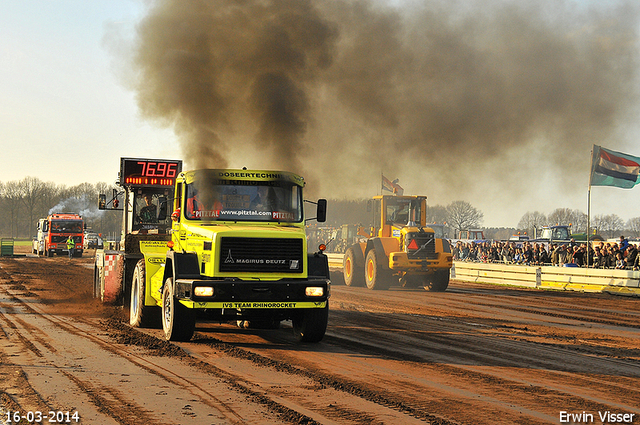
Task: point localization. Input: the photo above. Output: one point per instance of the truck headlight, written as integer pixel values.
(203, 291)
(314, 291)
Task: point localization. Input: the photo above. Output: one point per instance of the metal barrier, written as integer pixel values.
(621, 282)
(6, 247)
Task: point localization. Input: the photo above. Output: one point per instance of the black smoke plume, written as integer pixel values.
(446, 95)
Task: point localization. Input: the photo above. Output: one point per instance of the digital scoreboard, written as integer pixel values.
(149, 172)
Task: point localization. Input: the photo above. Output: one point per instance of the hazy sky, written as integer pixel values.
(70, 101)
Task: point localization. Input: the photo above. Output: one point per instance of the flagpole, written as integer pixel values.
(588, 224)
(589, 256)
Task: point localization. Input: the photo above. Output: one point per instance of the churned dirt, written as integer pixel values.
(475, 354)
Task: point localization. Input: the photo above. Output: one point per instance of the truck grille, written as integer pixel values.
(263, 255)
(61, 239)
(421, 238)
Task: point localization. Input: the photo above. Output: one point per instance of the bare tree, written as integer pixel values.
(12, 198)
(437, 214)
(50, 196)
(32, 190)
(560, 216)
(531, 221)
(462, 216)
(579, 221)
(609, 225)
(633, 225)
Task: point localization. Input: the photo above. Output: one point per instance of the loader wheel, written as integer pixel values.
(376, 276)
(353, 273)
(438, 281)
(311, 324)
(140, 315)
(178, 321)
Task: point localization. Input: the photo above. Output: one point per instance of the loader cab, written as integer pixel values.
(394, 212)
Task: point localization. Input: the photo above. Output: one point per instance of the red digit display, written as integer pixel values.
(149, 172)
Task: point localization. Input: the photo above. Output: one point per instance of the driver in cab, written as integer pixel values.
(148, 213)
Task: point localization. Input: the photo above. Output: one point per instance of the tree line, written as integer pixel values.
(606, 225)
(23, 202)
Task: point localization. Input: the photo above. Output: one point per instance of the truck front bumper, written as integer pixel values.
(281, 294)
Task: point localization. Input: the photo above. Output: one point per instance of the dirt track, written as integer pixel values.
(472, 355)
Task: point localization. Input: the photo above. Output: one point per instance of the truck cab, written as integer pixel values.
(230, 244)
(556, 233)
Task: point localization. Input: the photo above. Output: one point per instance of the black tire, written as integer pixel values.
(50, 253)
(438, 281)
(96, 282)
(353, 272)
(140, 315)
(311, 324)
(377, 277)
(178, 321)
(413, 281)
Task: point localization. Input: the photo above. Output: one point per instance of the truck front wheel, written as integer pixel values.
(353, 272)
(178, 321)
(311, 324)
(140, 315)
(97, 284)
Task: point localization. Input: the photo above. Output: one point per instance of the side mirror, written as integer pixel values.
(175, 215)
(102, 201)
(321, 214)
(162, 214)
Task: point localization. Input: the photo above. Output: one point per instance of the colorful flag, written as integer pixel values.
(610, 168)
(392, 186)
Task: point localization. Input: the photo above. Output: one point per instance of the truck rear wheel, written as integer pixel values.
(353, 273)
(376, 276)
(311, 324)
(438, 281)
(140, 315)
(97, 284)
(178, 321)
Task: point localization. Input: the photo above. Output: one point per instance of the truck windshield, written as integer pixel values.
(243, 200)
(61, 226)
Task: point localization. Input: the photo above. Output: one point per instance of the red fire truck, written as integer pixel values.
(54, 231)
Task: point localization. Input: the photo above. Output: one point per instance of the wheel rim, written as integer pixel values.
(167, 311)
(370, 270)
(347, 266)
(134, 296)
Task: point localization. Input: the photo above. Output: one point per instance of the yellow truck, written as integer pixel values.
(235, 251)
(400, 248)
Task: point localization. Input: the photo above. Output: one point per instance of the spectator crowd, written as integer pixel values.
(607, 255)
